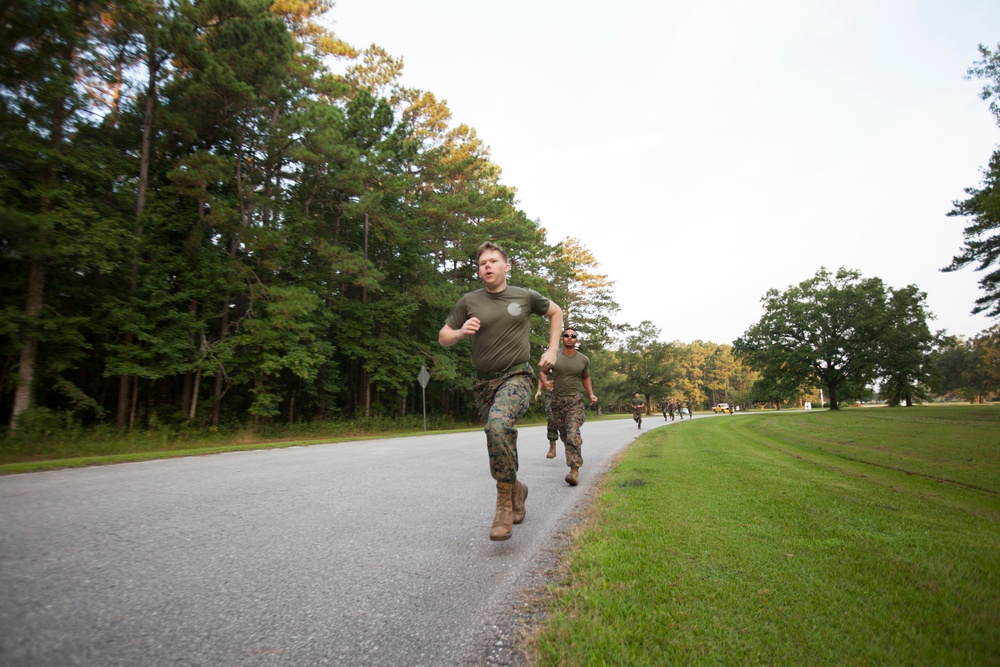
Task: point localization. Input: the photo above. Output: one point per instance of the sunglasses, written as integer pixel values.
(569, 335)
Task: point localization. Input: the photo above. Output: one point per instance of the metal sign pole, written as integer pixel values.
(423, 377)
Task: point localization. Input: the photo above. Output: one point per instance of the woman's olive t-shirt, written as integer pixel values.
(569, 374)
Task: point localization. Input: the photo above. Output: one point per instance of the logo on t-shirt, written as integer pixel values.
(514, 309)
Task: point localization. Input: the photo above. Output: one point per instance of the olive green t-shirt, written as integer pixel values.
(503, 339)
(569, 374)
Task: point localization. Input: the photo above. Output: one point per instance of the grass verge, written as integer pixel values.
(859, 537)
(76, 448)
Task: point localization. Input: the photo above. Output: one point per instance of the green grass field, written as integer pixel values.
(861, 537)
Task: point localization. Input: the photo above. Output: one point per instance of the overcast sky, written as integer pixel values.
(708, 151)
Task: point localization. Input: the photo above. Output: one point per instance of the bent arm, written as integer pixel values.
(554, 313)
(448, 336)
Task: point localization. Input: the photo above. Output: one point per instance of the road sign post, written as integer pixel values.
(423, 377)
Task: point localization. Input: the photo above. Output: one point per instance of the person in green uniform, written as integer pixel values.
(495, 319)
(638, 405)
(551, 432)
(569, 375)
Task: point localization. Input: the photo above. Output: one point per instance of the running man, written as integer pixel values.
(496, 320)
(638, 405)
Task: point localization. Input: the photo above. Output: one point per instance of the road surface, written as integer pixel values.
(364, 553)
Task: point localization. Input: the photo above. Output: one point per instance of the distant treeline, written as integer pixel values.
(218, 211)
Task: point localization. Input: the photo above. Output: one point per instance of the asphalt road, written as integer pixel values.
(364, 553)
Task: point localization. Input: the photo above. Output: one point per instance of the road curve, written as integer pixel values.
(363, 553)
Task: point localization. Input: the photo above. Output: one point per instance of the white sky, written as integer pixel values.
(708, 151)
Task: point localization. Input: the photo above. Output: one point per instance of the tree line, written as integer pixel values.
(219, 212)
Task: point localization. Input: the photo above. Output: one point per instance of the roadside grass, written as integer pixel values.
(53, 447)
(86, 447)
(823, 538)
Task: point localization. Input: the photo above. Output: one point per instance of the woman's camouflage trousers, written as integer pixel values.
(570, 413)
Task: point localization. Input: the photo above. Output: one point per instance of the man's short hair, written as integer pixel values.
(490, 245)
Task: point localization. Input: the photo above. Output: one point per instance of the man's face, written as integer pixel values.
(493, 270)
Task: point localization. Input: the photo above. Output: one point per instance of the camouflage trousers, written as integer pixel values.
(500, 403)
(551, 430)
(570, 413)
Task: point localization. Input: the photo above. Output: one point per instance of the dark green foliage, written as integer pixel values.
(969, 369)
(842, 332)
(647, 365)
(982, 236)
(220, 230)
(774, 388)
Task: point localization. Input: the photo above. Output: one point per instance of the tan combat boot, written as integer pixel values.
(519, 493)
(552, 450)
(571, 478)
(503, 522)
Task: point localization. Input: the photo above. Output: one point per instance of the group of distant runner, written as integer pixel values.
(670, 406)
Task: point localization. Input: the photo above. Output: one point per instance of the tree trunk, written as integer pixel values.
(187, 391)
(124, 382)
(147, 131)
(834, 404)
(134, 381)
(194, 395)
(25, 392)
(140, 206)
(217, 389)
(366, 392)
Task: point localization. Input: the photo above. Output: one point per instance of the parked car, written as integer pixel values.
(721, 407)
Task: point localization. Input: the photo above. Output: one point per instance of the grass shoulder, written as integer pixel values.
(55, 448)
(826, 538)
(76, 450)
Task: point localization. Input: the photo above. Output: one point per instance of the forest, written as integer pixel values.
(217, 212)
(220, 212)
